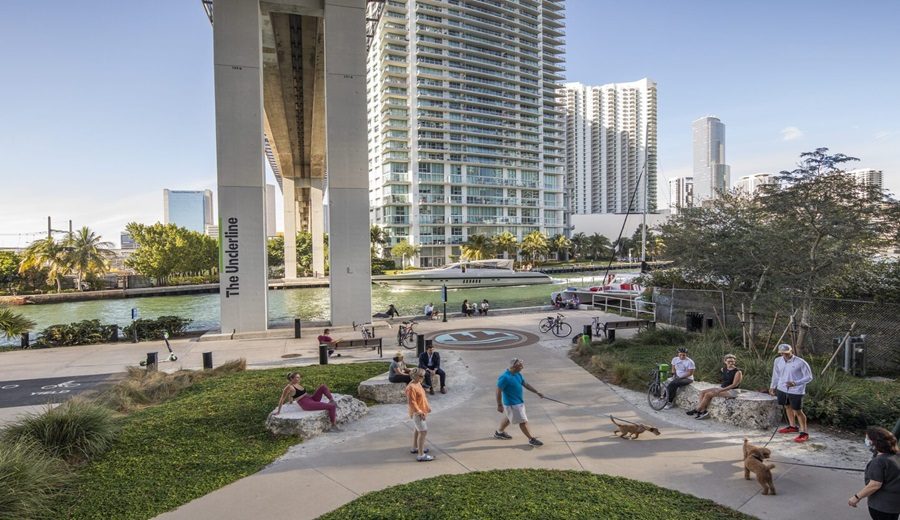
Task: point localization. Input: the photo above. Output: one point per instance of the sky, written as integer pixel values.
(105, 104)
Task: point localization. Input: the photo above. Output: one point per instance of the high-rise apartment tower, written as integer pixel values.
(681, 193)
(192, 210)
(466, 131)
(750, 184)
(869, 177)
(611, 134)
(711, 174)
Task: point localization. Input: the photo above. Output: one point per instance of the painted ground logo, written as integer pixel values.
(482, 339)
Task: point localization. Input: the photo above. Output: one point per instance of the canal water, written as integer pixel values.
(285, 305)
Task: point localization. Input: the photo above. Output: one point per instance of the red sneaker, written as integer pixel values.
(789, 429)
(803, 437)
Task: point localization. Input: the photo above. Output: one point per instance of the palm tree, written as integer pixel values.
(404, 250)
(580, 245)
(377, 238)
(561, 245)
(534, 245)
(598, 245)
(507, 244)
(13, 324)
(477, 247)
(46, 254)
(87, 253)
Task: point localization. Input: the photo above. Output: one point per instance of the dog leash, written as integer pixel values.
(623, 420)
(783, 416)
(816, 466)
(557, 401)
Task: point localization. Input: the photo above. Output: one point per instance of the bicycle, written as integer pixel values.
(658, 389)
(557, 325)
(368, 329)
(406, 336)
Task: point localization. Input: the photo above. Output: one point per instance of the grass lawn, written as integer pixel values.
(208, 436)
(835, 399)
(531, 493)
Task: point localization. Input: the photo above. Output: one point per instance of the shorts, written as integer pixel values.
(419, 423)
(515, 413)
(729, 394)
(795, 400)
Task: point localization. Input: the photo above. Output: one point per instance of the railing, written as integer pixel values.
(625, 306)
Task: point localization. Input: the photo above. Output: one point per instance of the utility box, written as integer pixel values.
(855, 355)
(693, 321)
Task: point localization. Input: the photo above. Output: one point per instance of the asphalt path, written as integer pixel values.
(49, 390)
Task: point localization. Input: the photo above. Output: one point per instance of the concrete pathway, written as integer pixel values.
(319, 475)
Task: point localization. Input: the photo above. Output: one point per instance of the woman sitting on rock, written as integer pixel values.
(294, 392)
(731, 379)
(398, 373)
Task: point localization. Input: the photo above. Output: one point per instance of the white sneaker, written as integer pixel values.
(669, 406)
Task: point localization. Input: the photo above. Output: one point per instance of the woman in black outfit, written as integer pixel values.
(398, 373)
(882, 476)
(731, 379)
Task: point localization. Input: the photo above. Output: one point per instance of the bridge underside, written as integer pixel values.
(290, 83)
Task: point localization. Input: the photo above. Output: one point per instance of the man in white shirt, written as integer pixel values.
(429, 311)
(682, 374)
(790, 375)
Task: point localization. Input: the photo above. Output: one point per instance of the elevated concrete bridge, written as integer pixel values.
(290, 85)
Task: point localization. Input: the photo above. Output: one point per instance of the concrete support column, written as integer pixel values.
(290, 228)
(239, 156)
(317, 227)
(346, 159)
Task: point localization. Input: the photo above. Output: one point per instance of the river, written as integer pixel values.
(285, 305)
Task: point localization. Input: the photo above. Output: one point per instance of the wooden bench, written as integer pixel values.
(610, 327)
(370, 343)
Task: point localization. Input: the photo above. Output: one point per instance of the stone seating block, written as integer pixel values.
(748, 410)
(295, 421)
(380, 390)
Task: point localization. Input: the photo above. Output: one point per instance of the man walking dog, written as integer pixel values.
(511, 403)
(790, 375)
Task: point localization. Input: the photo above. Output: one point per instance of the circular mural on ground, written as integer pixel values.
(482, 339)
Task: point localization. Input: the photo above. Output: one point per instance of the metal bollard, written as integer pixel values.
(323, 353)
(26, 340)
(586, 330)
(611, 335)
(152, 362)
(207, 361)
(296, 328)
(420, 345)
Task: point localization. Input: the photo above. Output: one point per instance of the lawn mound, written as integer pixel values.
(531, 493)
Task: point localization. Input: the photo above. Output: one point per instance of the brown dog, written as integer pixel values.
(753, 461)
(632, 431)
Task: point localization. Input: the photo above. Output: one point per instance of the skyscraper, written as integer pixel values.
(188, 209)
(681, 193)
(869, 177)
(611, 132)
(750, 184)
(711, 174)
(465, 127)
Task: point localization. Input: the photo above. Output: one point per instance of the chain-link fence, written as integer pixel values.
(768, 316)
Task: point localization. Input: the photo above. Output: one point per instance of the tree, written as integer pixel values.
(654, 243)
(404, 250)
(377, 239)
(46, 254)
(166, 249)
(598, 247)
(505, 243)
(9, 267)
(87, 254)
(13, 324)
(580, 245)
(275, 251)
(477, 247)
(535, 245)
(560, 245)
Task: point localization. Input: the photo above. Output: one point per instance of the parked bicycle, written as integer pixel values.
(367, 330)
(406, 335)
(658, 389)
(557, 325)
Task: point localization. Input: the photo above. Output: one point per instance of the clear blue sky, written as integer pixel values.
(104, 104)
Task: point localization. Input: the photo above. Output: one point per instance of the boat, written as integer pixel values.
(471, 273)
(621, 286)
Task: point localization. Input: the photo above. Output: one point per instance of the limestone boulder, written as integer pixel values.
(752, 410)
(380, 390)
(295, 421)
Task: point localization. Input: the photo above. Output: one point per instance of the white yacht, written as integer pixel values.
(471, 273)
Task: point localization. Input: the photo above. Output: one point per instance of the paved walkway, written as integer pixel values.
(317, 476)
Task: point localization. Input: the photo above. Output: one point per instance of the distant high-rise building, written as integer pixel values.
(192, 210)
(126, 241)
(212, 231)
(270, 210)
(681, 193)
(749, 184)
(869, 177)
(466, 130)
(611, 132)
(711, 174)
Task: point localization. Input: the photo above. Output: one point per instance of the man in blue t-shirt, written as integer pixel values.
(511, 403)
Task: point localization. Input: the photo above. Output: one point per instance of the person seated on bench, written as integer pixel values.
(429, 311)
(398, 373)
(294, 392)
(466, 309)
(430, 361)
(683, 374)
(731, 379)
(325, 339)
(483, 308)
(389, 313)
(573, 303)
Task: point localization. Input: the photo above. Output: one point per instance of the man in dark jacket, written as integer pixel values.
(431, 362)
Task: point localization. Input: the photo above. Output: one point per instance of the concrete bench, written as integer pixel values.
(295, 421)
(748, 410)
(380, 390)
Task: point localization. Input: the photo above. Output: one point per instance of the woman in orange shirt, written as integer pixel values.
(418, 411)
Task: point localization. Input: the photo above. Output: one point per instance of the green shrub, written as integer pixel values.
(30, 479)
(154, 328)
(75, 431)
(86, 332)
(530, 493)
